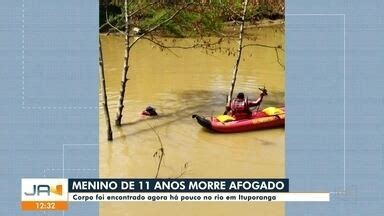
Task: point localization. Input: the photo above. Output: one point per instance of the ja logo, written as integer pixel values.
(37, 190)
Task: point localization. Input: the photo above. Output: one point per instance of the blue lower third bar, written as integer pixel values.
(178, 185)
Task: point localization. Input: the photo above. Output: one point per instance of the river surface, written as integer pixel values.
(178, 84)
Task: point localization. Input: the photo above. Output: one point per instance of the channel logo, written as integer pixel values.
(48, 189)
(44, 194)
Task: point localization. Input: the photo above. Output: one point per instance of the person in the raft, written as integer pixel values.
(239, 107)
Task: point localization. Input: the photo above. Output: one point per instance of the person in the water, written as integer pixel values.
(149, 111)
(240, 107)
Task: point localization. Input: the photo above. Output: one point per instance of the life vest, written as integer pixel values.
(239, 105)
(240, 108)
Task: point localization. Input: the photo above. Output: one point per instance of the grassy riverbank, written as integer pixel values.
(198, 19)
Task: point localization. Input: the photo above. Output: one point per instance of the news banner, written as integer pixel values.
(54, 194)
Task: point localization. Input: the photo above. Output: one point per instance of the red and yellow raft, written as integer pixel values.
(270, 117)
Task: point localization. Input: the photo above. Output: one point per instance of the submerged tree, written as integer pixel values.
(104, 93)
(128, 45)
(239, 52)
(124, 77)
(240, 47)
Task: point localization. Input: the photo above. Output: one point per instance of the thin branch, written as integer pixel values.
(224, 35)
(141, 8)
(158, 25)
(102, 26)
(130, 3)
(264, 45)
(110, 24)
(161, 45)
(276, 48)
(162, 152)
(205, 45)
(114, 27)
(211, 46)
(183, 171)
(278, 59)
(234, 12)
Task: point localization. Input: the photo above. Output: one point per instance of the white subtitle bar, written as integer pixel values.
(199, 197)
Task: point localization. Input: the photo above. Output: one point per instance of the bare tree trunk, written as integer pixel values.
(239, 51)
(124, 77)
(104, 93)
(128, 47)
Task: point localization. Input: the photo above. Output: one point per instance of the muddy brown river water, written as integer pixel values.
(180, 84)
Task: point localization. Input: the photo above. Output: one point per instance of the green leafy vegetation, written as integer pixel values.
(199, 18)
